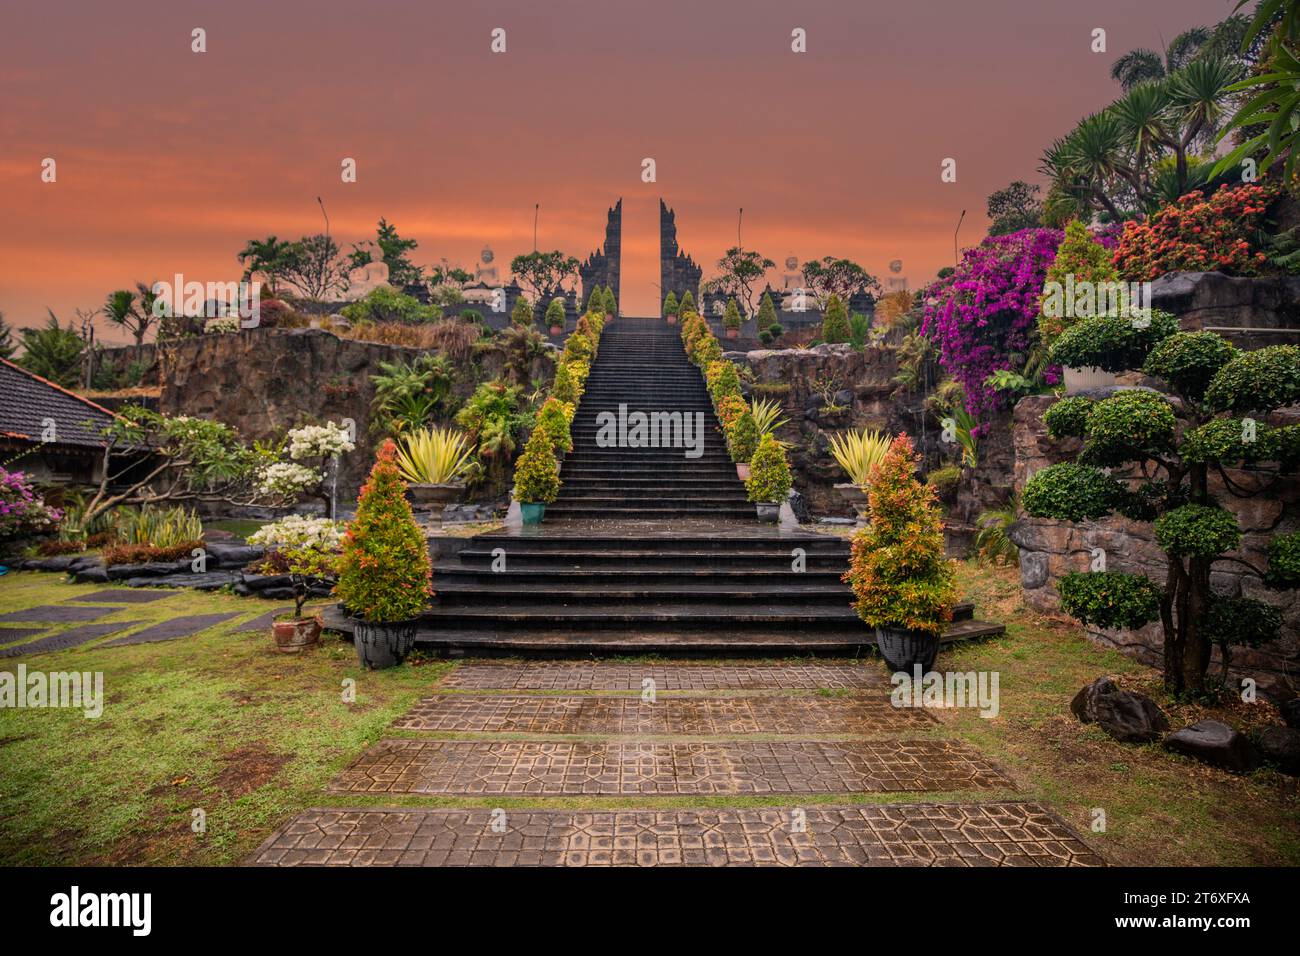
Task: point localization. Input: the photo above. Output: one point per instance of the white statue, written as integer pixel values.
(795, 296)
(487, 286)
(369, 276)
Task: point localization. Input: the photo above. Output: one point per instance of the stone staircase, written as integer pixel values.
(647, 551)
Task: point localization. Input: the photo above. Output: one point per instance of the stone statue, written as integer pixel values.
(370, 276)
(795, 296)
(486, 283)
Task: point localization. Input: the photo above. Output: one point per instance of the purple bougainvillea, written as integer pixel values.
(983, 317)
(21, 510)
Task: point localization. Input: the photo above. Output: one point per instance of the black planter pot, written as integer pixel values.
(383, 645)
(903, 650)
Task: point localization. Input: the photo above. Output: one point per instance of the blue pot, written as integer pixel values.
(532, 513)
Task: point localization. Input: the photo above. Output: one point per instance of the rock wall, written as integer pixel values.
(1050, 549)
(264, 381)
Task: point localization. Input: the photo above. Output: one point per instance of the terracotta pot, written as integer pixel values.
(435, 497)
(903, 650)
(769, 511)
(1081, 379)
(742, 470)
(293, 636)
(672, 320)
(732, 333)
(557, 329)
(383, 645)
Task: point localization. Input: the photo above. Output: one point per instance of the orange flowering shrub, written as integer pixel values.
(385, 575)
(898, 570)
(1194, 234)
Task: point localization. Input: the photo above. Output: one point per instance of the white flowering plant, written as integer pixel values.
(300, 531)
(287, 479)
(222, 325)
(319, 441)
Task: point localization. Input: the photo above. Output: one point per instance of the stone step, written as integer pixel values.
(567, 576)
(455, 594)
(649, 561)
(742, 539)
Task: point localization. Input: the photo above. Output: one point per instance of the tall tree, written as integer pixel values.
(739, 271)
(132, 311)
(1143, 65)
(54, 352)
(314, 267)
(267, 257)
(542, 274)
(1013, 208)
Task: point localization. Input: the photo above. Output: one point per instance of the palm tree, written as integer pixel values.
(122, 309)
(1143, 65)
(266, 256)
(1197, 95)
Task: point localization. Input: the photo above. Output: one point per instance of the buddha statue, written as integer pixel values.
(369, 276)
(795, 296)
(486, 281)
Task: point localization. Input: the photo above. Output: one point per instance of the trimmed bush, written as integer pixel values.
(1188, 361)
(1079, 257)
(1112, 344)
(1242, 622)
(1110, 599)
(742, 436)
(1068, 418)
(537, 473)
(670, 304)
(898, 570)
(565, 387)
(1129, 426)
(1071, 492)
(729, 408)
(769, 475)
(385, 572)
(731, 316)
(1199, 531)
(1223, 441)
(835, 323)
(722, 379)
(1262, 380)
(553, 418)
(522, 314)
(555, 314)
(1284, 561)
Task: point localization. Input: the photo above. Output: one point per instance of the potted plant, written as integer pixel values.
(308, 565)
(554, 418)
(609, 305)
(731, 320)
(742, 441)
(903, 584)
(671, 307)
(435, 462)
(555, 316)
(769, 480)
(537, 477)
(1079, 259)
(385, 574)
(858, 452)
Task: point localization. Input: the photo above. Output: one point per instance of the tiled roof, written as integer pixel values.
(26, 400)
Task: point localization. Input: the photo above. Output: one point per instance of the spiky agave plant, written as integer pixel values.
(434, 456)
(767, 416)
(858, 452)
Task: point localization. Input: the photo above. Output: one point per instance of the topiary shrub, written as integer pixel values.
(1130, 426)
(565, 387)
(731, 318)
(555, 314)
(835, 323)
(609, 303)
(537, 473)
(553, 418)
(1071, 492)
(687, 303)
(1169, 452)
(670, 304)
(900, 575)
(522, 314)
(1068, 418)
(742, 436)
(769, 473)
(1262, 380)
(1109, 599)
(1188, 361)
(722, 379)
(596, 301)
(385, 572)
(1079, 259)
(729, 408)
(1111, 343)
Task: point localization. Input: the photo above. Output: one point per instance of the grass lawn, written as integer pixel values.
(223, 723)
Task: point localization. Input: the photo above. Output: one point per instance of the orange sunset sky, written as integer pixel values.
(168, 160)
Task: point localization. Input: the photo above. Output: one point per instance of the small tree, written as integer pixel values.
(1150, 459)
(1079, 259)
(133, 314)
(898, 570)
(687, 304)
(54, 352)
(596, 300)
(385, 572)
(609, 305)
(835, 324)
(731, 317)
(769, 476)
(314, 268)
(555, 313)
(838, 277)
(266, 257)
(670, 304)
(522, 314)
(542, 273)
(537, 473)
(739, 271)
(766, 313)
(1013, 208)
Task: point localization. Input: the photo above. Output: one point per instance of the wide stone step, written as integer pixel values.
(563, 509)
(739, 538)
(596, 563)
(451, 594)
(565, 576)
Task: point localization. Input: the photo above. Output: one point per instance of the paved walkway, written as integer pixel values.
(682, 731)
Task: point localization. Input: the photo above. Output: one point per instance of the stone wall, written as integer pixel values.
(1050, 549)
(264, 381)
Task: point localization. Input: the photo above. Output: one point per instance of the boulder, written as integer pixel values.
(799, 505)
(58, 563)
(96, 574)
(224, 555)
(1214, 743)
(1291, 712)
(260, 582)
(1281, 746)
(1127, 716)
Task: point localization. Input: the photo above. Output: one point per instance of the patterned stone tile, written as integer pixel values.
(123, 596)
(701, 716)
(177, 627)
(73, 637)
(59, 613)
(10, 634)
(536, 768)
(994, 834)
(667, 677)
